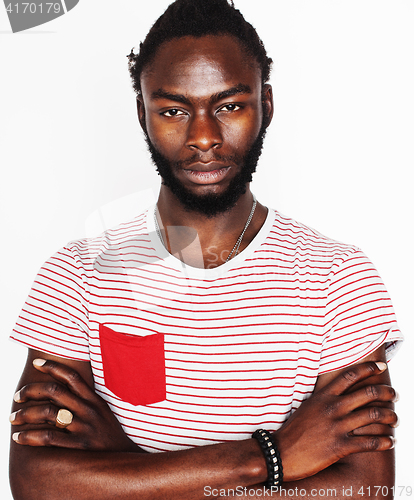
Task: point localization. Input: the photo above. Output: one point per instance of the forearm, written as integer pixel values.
(232, 469)
(50, 473)
(362, 475)
(332, 423)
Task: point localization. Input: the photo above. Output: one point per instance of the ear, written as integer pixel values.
(267, 102)
(141, 112)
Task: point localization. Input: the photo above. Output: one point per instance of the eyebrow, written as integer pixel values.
(163, 94)
(241, 88)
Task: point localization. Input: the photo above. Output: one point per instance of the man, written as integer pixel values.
(207, 318)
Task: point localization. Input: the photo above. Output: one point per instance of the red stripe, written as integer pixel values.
(26, 329)
(45, 347)
(49, 320)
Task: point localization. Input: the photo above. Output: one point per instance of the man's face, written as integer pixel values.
(204, 113)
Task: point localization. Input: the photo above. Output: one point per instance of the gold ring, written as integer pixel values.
(63, 419)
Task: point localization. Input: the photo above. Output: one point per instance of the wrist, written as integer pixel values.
(254, 469)
(272, 457)
(289, 457)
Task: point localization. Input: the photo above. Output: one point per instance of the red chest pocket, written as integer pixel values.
(133, 366)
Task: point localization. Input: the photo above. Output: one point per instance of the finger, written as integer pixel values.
(354, 374)
(67, 376)
(48, 437)
(362, 444)
(377, 429)
(369, 394)
(41, 414)
(50, 391)
(371, 415)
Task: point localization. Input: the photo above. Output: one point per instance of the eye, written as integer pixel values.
(230, 107)
(172, 112)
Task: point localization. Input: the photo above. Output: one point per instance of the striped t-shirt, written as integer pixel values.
(188, 356)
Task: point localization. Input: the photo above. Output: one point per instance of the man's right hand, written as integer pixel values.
(321, 431)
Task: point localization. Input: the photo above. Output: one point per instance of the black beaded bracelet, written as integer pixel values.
(272, 456)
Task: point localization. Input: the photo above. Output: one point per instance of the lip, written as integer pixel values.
(207, 173)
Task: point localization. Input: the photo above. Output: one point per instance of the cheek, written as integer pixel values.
(167, 140)
(242, 134)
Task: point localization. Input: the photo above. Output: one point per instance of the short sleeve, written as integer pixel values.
(54, 318)
(359, 314)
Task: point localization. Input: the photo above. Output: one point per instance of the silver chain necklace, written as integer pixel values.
(236, 247)
(157, 227)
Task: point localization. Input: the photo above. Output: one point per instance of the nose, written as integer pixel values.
(204, 133)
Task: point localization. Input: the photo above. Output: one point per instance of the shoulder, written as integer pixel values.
(304, 241)
(306, 252)
(88, 249)
(80, 256)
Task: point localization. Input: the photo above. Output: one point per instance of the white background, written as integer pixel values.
(338, 156)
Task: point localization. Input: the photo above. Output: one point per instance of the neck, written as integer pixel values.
(207, 240)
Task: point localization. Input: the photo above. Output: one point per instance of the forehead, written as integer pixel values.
(201, 66)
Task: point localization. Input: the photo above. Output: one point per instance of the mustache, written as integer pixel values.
(195, 158)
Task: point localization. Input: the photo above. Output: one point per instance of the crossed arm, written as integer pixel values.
(340, 438)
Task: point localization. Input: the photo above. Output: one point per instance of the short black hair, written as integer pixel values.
(198, 18)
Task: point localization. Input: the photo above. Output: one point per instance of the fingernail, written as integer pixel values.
(39, 362)
(15, 436)
(16, 397)
(394, 442)
(397, 423)
(381, 365)
(396, 397)
(12, 417)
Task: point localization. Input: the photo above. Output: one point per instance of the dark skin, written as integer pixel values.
(331, 441)
(205, 126)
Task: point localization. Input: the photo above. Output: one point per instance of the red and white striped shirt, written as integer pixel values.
(188, 356)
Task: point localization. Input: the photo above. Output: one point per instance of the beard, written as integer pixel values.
(210, 204)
